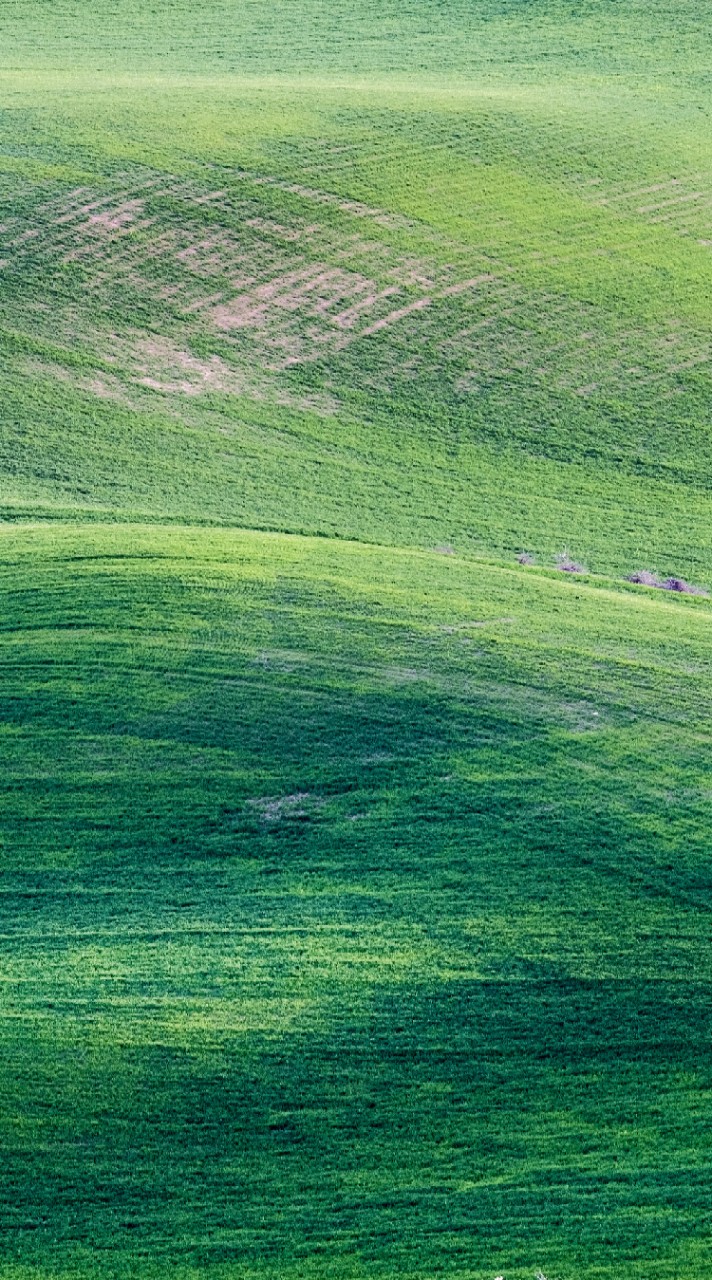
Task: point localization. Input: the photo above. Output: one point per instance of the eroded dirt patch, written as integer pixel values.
(299, 806)
(276, 289)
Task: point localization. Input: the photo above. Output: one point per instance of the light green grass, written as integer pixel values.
(577, 365)
(356, 893)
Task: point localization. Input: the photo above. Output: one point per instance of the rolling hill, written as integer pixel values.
(356, 860)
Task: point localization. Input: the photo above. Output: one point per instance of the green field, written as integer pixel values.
(356, 877)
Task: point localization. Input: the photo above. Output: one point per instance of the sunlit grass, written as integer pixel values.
(355, 884)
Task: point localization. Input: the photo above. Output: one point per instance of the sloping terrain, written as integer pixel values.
(356, 876)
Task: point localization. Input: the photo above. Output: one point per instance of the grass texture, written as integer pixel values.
(355, 877)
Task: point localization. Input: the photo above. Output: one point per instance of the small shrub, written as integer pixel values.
(525, 558)
(565, 565)
(644, 578)
(679, 584)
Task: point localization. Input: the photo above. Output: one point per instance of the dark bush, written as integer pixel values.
(645, 578)
(679, 584)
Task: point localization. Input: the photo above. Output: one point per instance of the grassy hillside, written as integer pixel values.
(356, 878)
(355, 912)
(249, 298)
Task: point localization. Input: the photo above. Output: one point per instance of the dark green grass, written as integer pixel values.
(355, 912)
